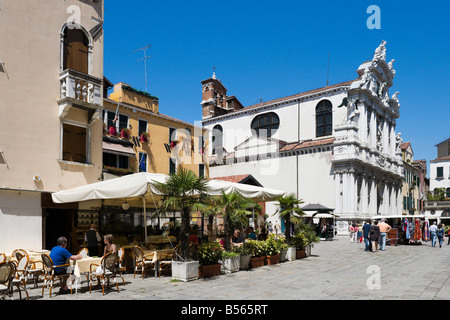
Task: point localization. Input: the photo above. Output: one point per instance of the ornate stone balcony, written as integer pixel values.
(80, 89)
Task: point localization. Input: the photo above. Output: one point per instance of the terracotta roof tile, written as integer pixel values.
(235, 178)
(307, 144)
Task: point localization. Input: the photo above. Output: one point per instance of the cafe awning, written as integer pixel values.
(119, 149)
(139, 188)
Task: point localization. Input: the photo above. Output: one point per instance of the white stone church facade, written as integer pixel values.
(336, 145)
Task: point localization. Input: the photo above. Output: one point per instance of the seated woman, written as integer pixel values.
(109, 245)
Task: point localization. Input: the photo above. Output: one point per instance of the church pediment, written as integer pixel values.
(257, 145)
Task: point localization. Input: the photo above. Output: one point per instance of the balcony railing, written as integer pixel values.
(81, 87)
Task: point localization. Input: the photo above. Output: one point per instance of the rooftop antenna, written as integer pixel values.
(214, 72)
(145, 62)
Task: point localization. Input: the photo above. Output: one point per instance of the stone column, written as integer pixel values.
(373, 197)
(352, 193)
(362, 122)
(373, 130)
(338, 194)
(364, 195)
(345, 187)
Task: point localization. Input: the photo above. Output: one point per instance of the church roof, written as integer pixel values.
(316, 207)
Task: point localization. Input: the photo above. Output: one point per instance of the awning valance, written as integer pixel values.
(119, 149)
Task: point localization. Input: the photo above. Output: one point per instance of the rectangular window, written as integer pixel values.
(172, 165)
(142, 162)
(123, 122)
(201, 170)
(142, 126)
(439, 172)
(172, 134)
(74, 146)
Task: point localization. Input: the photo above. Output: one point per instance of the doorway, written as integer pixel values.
(59, 223)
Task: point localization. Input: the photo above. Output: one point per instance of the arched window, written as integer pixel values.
(217, 139)
(75, 50)
(324, 118)
(266, 124)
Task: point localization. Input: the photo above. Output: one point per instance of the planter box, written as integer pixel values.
(232, 264)
(244, 261)
(256, 262)
(291, 254)
(211, 270)
(270, 260)
(185, 271)
(308, 250)
(283, 255)
(300, 254)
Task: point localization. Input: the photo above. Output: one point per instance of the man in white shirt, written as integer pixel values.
(433, 230)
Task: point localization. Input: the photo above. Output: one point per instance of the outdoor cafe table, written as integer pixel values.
(82, 266)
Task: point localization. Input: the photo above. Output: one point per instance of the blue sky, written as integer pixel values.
(271, 49)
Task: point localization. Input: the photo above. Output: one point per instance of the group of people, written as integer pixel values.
(375, 235)
(437, 232)
(60, 255)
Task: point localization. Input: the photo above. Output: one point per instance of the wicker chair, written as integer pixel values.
(105, 273)
(21, 275)
(49, 274)
(121, 268)
(2, 257)
(140, 263)
(165, 261)
(19, 253)
(83, 252)
(7, 272)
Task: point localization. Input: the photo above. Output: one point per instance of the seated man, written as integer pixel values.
(237, 240)
(251, 234)
(59, 256)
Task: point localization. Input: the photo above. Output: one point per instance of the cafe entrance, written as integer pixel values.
(58, 221)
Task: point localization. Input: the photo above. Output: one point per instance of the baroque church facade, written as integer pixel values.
(336, 146)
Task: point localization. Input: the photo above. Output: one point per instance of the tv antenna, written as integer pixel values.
(145, 62)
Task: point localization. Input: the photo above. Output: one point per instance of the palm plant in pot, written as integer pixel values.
(299, 241)
(289, 211)
(183, 191)
(234, 207)
(245, 253)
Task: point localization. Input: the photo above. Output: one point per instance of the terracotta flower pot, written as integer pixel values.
(256, 262)
(270, 260)
(300, 254)
(206, 271)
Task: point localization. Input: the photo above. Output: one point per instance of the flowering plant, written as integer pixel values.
(272, 245)
(209, 253)
(257, 248)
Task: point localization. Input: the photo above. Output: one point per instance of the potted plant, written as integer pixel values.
(272, 250)
(112, 131)
(258, 253)
(209, 256)
(244, 255)
(299, 241)
(230, 261)
(282, 246)
(144, 137)
(185, 192)
(125, 133)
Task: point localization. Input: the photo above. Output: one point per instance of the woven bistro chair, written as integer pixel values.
(105, 272)
(21, 275)
(83, 252)
(2, 257)
(7, 272)
(140, 263)
(18, 254)
(49, 274)
(165, 261)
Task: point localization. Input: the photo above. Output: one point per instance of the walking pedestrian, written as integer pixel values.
(355, 235)
(366, 235)
(352, 231)
(440, 234)
(384, 229)
(433, 230)
(375, 235)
